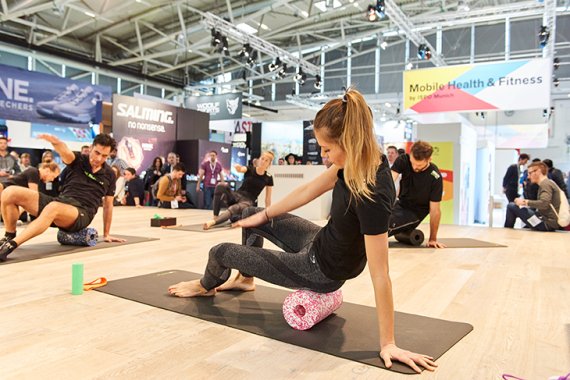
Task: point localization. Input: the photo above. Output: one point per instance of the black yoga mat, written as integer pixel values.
(452, 243)
(200, 228)
(351, 333)
(41, 250)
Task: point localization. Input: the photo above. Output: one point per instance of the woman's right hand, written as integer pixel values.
(252, 221)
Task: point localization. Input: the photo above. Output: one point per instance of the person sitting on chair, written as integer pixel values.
(255, 180)
(421, 190)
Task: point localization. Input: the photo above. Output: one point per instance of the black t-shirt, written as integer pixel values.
(254, 183)
(339, 246)
(30, 175)
(87, 187)
(134, 188)
(417, 190)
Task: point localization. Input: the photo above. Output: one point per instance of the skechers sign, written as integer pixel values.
(220, 107)
(48, 99)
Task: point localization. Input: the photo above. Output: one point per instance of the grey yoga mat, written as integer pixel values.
(350, 333)
(200, 228)
(452, 243)
(42, 250)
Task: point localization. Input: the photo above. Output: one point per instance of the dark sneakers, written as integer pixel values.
(6, 248)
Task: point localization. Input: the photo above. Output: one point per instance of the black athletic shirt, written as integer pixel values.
(134, 188)
(417, 190)
(87, 187)
(30, 175)
(254, 183)
(339, 246)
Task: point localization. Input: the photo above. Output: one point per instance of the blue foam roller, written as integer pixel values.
(86, 237)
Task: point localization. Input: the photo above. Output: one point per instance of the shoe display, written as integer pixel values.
(81, 109)
(45, 108)
(5, 249)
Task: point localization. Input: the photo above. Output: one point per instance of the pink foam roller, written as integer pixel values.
(303, 309)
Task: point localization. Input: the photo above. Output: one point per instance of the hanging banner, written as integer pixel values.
(143, 130)
(220, 107)
(513, 85)
(521, 136)
(443, 157)
(311, 149)
(48, 99)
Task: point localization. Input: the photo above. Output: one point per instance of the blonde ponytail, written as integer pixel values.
(348, 122)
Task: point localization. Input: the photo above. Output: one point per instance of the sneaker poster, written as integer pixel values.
(48, 100)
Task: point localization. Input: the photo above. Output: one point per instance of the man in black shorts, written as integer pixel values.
(89, 179)
(421, 190)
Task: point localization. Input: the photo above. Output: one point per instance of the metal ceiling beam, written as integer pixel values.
(406, 25)
(31, 24)
(110, 40)
(139, 39)
(64, 32)
(550, 22)
(230, 12)
(29, 11)
(203, 42)
(231, 31)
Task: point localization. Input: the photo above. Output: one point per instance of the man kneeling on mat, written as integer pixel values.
(315, 258)
(421, 190)
(88, 180)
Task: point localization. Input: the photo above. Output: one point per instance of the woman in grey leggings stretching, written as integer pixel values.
(321, 259)
(255, 180)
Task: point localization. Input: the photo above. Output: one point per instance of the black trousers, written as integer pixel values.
(404, 219)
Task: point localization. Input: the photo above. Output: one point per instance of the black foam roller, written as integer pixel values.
(414, 237)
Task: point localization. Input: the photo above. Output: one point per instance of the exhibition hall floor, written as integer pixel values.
(517, 298)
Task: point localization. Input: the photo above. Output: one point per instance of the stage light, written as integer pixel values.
(274, 65)
(409, 66)
(371, 13)
(300, 77)
(424, 52)
(556, 63)
(383, 45)
(556, 82)
(225, 48)
(543, 36)
(282, 73)
(376, 11)
(318, 82)
(245, 51)
(252, 58)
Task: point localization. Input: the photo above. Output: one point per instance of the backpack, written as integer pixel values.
(563, 213)
(154, 187)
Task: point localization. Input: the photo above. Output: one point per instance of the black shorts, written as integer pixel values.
(83, 219)
(404, 219)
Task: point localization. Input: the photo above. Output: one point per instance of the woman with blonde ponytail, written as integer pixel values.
(315, 258)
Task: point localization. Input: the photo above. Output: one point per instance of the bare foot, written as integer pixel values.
(190, 289)
(239, 282)
(209, 225)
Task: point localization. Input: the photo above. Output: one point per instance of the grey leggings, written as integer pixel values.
(294, 268)
(235, 200)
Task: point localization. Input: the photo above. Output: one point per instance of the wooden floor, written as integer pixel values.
(517, 298)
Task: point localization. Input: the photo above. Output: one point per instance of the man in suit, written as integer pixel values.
(511, 178)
